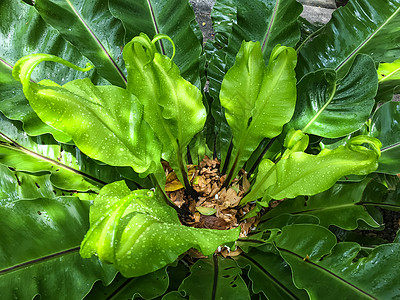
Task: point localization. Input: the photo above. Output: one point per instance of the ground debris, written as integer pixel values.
(207, 182)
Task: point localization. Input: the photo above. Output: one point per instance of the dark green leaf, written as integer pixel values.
(92, 29)
(317, 262)
(39, 250)
(170, 17)
(147, 287)
(269, 22)
(270, 275)
(215, 278)
(362, 26)
(333, 108)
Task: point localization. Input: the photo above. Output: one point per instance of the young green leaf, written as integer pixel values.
(258, 100)
(389, 80)
(105, 122)
(305, 174)
(342, 205)
(139, 233)
(172, 106)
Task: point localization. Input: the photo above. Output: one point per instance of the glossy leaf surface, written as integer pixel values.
(24, 32)
(333, 108)
(372, 30)
(140, 234)
(173, 107)
(105, 122)
(215, 278)
(40, 241)
(385, 127)
(69, 168)
(341, 206)
(92, 29)
(269, 274)
(147, 287)
(258, 100)
(170, 17)
(270, 22)
(317, 262)
(389, 80)
(16, 186)
(305, 174)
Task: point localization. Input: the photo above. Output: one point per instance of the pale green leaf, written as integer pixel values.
(139, 233)
(173, 107)
(258, 100)
(105, 122)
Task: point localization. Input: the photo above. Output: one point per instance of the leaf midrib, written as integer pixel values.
(328, 272)
(38, 260)
(103, 49)
(274, 280)
(271, 23)
(357, 49)
(18, 147)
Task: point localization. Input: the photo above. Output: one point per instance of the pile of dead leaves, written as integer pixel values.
(216, 207)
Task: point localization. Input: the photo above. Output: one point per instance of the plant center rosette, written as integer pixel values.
(216, 206)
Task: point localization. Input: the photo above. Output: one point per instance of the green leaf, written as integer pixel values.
(172, 106)
(40, 241)
(317, 262)
(16, 186)
(92, 29)
(27, 33)
(361, 26)
(258, 100)
(269, 22)
(170, 17)
(283, 219)
(70, 169)
(385, 126)
(269, 274)
(105, 122)
(341, 206)
(139, 233)
(389, 80)
(147, 286)
(215, 278)
(333, 108)
(305, 174)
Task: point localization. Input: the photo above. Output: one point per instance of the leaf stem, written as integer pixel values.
(260, 157)
(312, 35)
(168, 201)
(228, 158)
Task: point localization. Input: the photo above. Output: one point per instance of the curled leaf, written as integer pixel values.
(139, 233)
